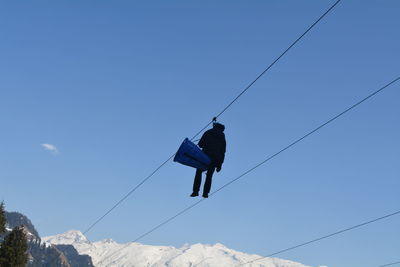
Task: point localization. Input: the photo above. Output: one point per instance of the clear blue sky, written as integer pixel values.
(117, 85)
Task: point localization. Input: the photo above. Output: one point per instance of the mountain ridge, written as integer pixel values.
(107, 252)
(40, 254)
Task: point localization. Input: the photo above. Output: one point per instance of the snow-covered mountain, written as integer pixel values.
(40, 254)
(109, 253)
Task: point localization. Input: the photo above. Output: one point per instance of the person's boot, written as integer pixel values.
(194, 194)
(205, 195)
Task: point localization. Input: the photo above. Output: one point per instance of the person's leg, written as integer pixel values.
(207, 184)
(196, 183)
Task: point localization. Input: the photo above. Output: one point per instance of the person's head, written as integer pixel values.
(218, 126)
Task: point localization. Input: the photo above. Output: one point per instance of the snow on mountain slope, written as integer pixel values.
(109, 253)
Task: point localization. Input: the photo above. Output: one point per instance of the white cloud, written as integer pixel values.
(49, 147)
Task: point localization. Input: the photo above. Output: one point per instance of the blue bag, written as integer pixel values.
(191, 155)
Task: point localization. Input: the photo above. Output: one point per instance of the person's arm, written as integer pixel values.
(222, 155)
(224, 150)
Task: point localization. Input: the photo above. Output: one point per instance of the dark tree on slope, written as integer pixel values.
(13, 251)
(2, 219)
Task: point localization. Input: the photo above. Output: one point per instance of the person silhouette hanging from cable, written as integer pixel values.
(212, 143)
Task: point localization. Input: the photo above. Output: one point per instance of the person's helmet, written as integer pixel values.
(219, 126)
